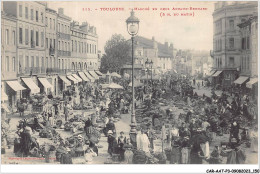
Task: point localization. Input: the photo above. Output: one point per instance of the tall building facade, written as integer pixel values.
(37, 50)
(227, 39)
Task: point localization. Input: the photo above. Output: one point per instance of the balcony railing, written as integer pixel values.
(63, 36)
(64, 53)
(31, 71)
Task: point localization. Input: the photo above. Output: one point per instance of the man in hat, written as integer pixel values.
(234, 131)
(121, 142)
(235, 155)
(112, 143)
(26, 141)
(66, 157)
(185, 151)
(110, 126)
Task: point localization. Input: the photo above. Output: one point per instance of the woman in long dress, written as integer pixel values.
(145, 142)
(254, 139)
(128, 155)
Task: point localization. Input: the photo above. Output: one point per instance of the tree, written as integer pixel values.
(117, 53)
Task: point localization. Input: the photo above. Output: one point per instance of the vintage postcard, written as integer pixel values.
(87, 82)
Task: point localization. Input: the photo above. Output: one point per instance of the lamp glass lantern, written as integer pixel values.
(132, 24)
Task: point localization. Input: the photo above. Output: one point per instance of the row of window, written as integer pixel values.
(245, 43)
(33, 35)
(38, 17)
(50, 23)
(64, 64)
(64, 46)
(34, 62)
(7, 64)
(63, 28)
(50, 43)
(9, 39)
(218, 62)
(244, 63)
(83, 47)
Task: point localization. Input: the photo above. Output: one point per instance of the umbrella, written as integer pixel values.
(136, 83)
(115, 86)
(115, 75)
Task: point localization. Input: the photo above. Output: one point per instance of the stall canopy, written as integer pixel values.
(94, 74)
(217, 73)
(115, 86)
(72, 78)
(99, 73)
(46, 83)
(30, 84)
(251, 82)
(89, 76)
(114, 74)
(77, 77)
(66, 81)
(241, 80)
(83, 76)
(136, 84)
(15, 85)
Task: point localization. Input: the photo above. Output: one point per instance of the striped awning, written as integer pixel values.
(217, 73)
(241, 80)
(72, 78)
(251, 82)
(65, 80)
(77, 77)
(94, 74)
(99, 73)
(46, 83)
(92, 79)
(83, 76)
(15, 85)
(30, 84)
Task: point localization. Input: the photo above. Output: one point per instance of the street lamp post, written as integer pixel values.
(151, 63)
(147, 70)
(132, 24)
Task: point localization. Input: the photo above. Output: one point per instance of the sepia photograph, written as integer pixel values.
(120, 82)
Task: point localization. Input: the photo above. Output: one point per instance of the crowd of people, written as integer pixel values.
(186, 137)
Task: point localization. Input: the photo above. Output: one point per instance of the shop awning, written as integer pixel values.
(241, 80)
(92, 79)
(45, 83)
(15, 85)
(93, 74)
(251, 82)
(65, 80)
(4, 106)
(72, 79)
(77, 77)
(98, 73)
(4, 97)
(30, 84)
(83, 76)
(217, 73)
(212, 73)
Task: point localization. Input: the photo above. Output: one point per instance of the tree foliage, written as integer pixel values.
(117, 53)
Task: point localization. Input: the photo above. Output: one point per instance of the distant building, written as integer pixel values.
(227, 39)
(249, 53)
(161, 55)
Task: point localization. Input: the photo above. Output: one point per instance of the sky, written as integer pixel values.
(185, 32)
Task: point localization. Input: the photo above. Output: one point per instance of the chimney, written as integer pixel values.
(171, 46)
(166, 44)
(61, 11)
(153, 38)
